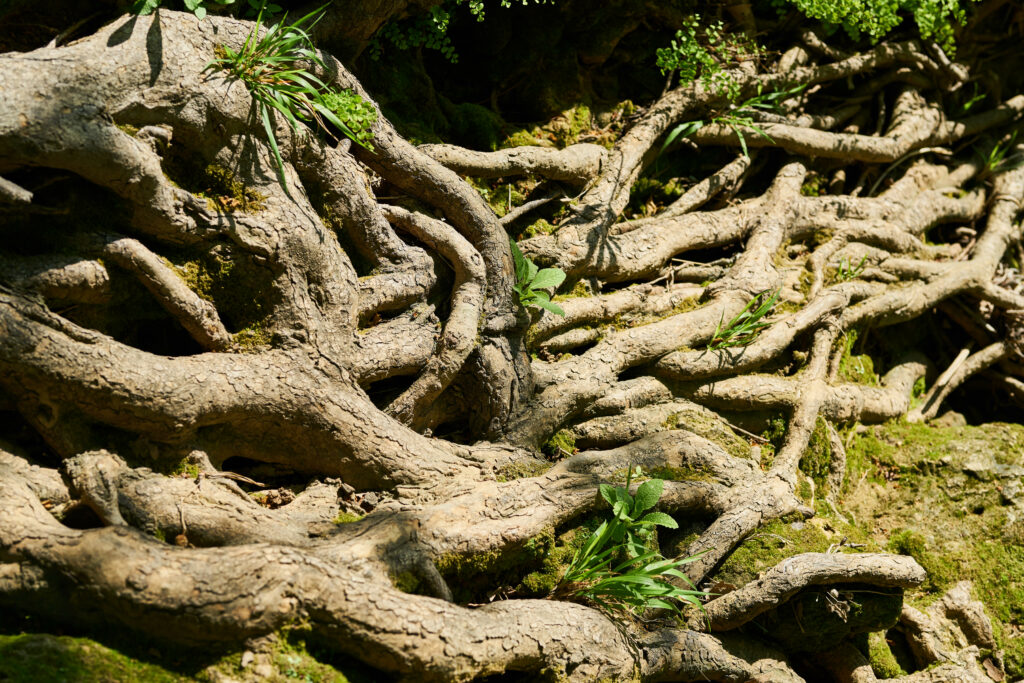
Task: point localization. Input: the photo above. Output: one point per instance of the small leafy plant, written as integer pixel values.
(748, 323)
(531, 282)
(270, 66)
(705, 54)
(201, 7)
(615, 570)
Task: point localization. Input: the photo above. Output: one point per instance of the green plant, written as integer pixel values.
(200, 7)
(430, 29)
(846, 272)
(935, 19)
(269, 65)
(706, 54)
(615, 570)
(999, 159)
(531, 282)
(739, 117)
(748, 323)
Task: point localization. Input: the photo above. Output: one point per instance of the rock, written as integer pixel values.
(1012, 493)
(950, 418)
(981, 466)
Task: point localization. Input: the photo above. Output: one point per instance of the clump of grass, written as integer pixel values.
(748, 323)
(271, 68)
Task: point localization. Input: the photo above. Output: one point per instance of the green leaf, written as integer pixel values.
(522, 270)
(548, 277)
(554, 308)
(647, 495)
(683, 130)
(660, 519)
(200, 12)
(144, 7)
(608, 493)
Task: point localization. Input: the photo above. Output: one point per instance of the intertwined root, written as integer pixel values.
(304, 368)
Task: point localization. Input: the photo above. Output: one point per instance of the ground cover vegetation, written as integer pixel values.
(318, 361)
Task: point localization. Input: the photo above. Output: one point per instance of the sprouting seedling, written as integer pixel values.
(531, 281)
(270, 68)
(846, 272)
(748, 323)
(615, 570)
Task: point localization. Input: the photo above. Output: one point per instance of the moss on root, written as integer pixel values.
(561, 445)
(522, 470)
(882, 660)
(228, 280)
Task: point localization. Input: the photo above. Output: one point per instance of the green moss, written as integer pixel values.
(557, 557)
(561, 445)
(346, 518)
(648, 194)
(883, 662)
(522, 470)
(937, 494)
(579, 290)
(568, 126)
(774, 434)
(500, 195)
(707, 424)
(185, 467)
(128, 128)
(680, 474)
(239, 288)
(817, 458)
(859, 369)
(941, 572)
(523, 138)
(407, 582)
(29, 658)
(539, 227)
(780, 539)
(216, 183)
(472, 576)
(814, 185)
(253, 338)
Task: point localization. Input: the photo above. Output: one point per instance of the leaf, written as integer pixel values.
(519, 261)
(608, 493)
(200, 12)
(548, 277)
(647, 495)
(554, 308)
(660, 519)
(144, 7)
(684, 130)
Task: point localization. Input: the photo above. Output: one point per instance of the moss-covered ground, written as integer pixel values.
(31, 653)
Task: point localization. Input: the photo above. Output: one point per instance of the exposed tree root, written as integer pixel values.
(357, 327)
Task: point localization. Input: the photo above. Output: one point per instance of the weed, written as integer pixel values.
(744, 328)
(998, 159)
(739, 117)
(268, 66)
(640, 581)
(846, 272)
(531, 282)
